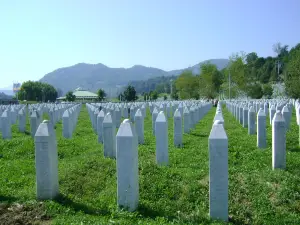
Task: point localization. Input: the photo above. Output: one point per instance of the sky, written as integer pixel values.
(40, 36)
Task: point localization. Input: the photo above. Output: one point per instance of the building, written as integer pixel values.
(16, 87)
(82, 95)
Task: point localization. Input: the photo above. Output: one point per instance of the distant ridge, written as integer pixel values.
(95, 76)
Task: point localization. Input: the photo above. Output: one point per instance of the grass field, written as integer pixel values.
(177, 194)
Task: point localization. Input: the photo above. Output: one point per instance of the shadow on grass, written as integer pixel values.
(77, 207)
(152, 214)
(296, 149)
(8, 199)
(199, 135)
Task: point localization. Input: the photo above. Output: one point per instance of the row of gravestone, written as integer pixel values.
(218, 168)
(127, 144)
(9, 116)
(255, 119)
(126, 148)
(105, 120)
(69, 120)
(218, 143)
(13, 114)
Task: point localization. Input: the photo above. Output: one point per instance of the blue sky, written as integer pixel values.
(40, 36)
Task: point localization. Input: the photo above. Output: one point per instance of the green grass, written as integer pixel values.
(27, 102)
(177, 194)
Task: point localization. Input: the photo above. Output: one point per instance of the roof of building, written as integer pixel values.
(81, 93)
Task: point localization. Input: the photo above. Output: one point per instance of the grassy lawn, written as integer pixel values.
(177, 194)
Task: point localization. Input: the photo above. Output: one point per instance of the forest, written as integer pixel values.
(247, 75)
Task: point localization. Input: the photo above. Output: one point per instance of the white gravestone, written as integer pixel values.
(251, 121)
(139, 126)
(218, 172)
(109, 136)
(177, 129)
(186, 120)
(278, 141)
(46, 162)
(127, 167)
(261, 129)
(100, 119)
(6, 125)
(154, 115)
(161, 134)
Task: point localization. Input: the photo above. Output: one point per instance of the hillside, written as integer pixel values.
(220, 63)
(7, 90)
(95, 76)
(5, 96)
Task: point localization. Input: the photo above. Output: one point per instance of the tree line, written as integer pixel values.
(37, 91)
(246, 75)
(255, 76)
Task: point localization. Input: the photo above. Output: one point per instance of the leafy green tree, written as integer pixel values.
(37, 91)
(121, 97)
(70, 97)
(174, 95)
(101, 94)
(187, 85)
(210, 80)
(255, 91)
(153, 95)
(251, 58)
(160, 88)
(130, 94)
(237, 70)
(267, 90)
(292, 77)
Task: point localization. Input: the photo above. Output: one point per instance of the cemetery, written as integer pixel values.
(159, 162)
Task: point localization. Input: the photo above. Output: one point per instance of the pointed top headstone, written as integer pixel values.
(161, 117)
(107, 118)
(138, 113)
(177, 113)
(278, 117)
(217, 131)
(126, 129)
(261, 112)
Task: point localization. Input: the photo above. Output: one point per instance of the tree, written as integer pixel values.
(121, 97)
(160, 88)
(70, 97)
(153, 95)
(145, 96)
(210, 81)
(37, 91)
(237, 70)
(101, 94)
(187, 85)
(254, 91)
(130, 94)
(267, 90)
(251, 58)
(292, 77)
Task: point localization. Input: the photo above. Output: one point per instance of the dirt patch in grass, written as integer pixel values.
(19, 214)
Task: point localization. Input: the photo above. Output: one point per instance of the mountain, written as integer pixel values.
(95, 76)
(7, 90)
(220, 63)
(5, 96)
